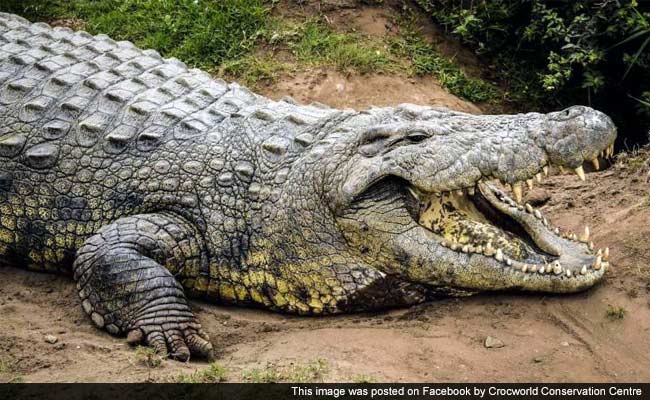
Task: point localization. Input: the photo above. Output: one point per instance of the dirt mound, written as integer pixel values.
(362, 91)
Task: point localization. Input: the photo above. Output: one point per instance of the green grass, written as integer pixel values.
(615, 313)
(216, 373)
(148, 356)
(362, 378)
(5, 366)
(317, 44)
(202, 33)
(314, 371)
(253, 70)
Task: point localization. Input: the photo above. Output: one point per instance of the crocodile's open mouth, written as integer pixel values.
(484, 221)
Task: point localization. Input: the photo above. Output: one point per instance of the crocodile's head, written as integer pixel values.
(410, 194)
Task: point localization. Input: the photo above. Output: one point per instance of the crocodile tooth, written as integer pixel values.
(460, 192)
(545, 221)
(545, 169)
(471, 191)
(529, 208)
(599, 252)
(498, 255)
(465, 249)
(529, 183)
(538, 214)
(524, 268)
(489, 250)
(516, 189)
(606, 254)
(556, 231)
(538, 177)
(581, 173)
(443, 243)
(561, 168)
(533, 268)
(541, 269)
(585, 236)
(583, 270)
(598, 263)
(508, 261)
(595, 163)
(573, 236)
(453, 246)
(557, 268)
(591, 246)
(568, 273)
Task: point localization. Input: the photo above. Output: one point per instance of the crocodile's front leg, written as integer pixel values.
(125, 276)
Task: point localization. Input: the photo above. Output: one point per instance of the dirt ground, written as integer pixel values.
(546, 338)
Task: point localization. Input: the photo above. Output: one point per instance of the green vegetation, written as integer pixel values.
(364, 379)
(426, 60)
(216, 373)
(148, 356)
(312, 372)
(315, 43)
(615, 313)
(239, 39)
(7, 367)
(4, 366)
(253, 70)
(554, 54)
(201, 33)
(636, 161)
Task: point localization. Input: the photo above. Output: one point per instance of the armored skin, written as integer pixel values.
(149, 182)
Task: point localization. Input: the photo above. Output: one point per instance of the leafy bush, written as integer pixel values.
(553, 54)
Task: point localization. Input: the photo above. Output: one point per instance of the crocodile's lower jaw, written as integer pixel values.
(516, 238)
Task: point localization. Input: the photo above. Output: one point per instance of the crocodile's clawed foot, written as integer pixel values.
(179, 341)
(126, 285)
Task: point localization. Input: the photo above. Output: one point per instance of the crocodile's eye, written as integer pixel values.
(417, 137)
(569, 113)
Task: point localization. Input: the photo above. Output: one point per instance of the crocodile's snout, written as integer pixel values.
(577, 134)
(465, 232)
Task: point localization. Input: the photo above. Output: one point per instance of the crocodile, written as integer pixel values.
(151, 183)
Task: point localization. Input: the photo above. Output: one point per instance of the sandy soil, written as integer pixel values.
(546, 338)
